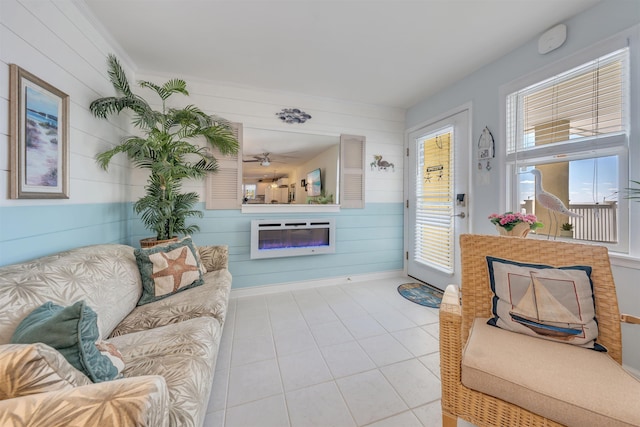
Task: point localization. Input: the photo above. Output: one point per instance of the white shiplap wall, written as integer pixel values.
(55, 41)
(369, 240)
(382, 126)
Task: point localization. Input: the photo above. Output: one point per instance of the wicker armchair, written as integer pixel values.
(457, 316)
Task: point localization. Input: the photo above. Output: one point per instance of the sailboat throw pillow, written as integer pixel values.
(546, 302)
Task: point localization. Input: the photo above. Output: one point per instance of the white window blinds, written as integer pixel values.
(434, 202)
(589, 101)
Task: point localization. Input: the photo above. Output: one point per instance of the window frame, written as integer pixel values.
(619, 144)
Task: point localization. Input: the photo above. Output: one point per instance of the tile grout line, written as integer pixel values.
(275, 352)
(327, 300)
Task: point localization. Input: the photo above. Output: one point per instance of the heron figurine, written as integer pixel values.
(551, 202)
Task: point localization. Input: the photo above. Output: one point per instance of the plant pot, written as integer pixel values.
(520, 230)
(566, 233)
(150, 242)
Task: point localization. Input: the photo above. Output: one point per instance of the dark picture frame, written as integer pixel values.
(39, 137)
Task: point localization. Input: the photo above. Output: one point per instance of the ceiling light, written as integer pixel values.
(265, 162)
(293, 115)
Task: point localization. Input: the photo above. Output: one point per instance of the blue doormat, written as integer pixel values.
(421, 294)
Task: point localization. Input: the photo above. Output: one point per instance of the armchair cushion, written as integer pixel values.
(542, 301)
(35, 368)
(567, 384)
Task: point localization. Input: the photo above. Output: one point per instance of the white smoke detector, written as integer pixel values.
(552, 39)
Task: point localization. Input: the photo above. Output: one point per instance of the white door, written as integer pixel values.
(438, 199)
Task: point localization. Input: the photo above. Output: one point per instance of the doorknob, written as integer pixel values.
(461, 215)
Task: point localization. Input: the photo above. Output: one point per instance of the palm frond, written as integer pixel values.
(117, 76)
(146, 118)
(165, 148)
(104, 107)
(633, 193)
(222, 138)
(175, 86)
(150, 85)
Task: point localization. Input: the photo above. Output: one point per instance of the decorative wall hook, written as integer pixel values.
(486, 148)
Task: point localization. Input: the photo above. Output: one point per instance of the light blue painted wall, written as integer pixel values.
(27, 232)
(368, 240)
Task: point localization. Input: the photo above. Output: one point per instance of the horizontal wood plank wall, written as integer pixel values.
(367, 241)
(56, 42)
(29, 232)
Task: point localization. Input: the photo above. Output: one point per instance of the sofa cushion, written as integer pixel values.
(73, 331)
(214, 257)
(35, 368)
(543, 301)
(168, 269)
(568, 384)
(209, 299)
(185, 355)
(105, 276)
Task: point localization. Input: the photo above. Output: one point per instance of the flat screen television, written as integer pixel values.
(314, 184)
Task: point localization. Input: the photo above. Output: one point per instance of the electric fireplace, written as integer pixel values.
(285, 238)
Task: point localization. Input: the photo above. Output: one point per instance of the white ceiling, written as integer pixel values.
(385, 52)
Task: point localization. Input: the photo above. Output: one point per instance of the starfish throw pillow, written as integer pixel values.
(168, 269)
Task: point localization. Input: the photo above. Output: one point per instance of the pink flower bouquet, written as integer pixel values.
(508, 220)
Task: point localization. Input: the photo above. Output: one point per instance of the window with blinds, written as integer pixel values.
(586, 102)
(435, 202)
(573, 128)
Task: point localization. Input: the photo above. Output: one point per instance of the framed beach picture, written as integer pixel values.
(39, 141)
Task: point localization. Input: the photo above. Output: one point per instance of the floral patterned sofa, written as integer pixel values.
(169, 346)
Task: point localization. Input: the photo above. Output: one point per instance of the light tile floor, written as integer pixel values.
(357, 354)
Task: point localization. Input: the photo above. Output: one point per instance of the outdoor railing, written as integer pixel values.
(597, 222)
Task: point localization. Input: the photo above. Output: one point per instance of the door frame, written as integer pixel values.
(468, 106)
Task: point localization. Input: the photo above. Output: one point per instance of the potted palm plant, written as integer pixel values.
(165, 147)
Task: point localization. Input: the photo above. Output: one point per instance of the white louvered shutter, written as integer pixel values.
(224, 188)
(352, 154)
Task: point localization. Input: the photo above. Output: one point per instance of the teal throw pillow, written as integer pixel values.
(73, 331)
(168, 269)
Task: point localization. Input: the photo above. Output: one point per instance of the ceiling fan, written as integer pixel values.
(262, 158)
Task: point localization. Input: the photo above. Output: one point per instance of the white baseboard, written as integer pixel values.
(308, 284)
(632, 371)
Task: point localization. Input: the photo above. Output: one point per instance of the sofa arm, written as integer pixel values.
(139, 401)
(450, 347)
